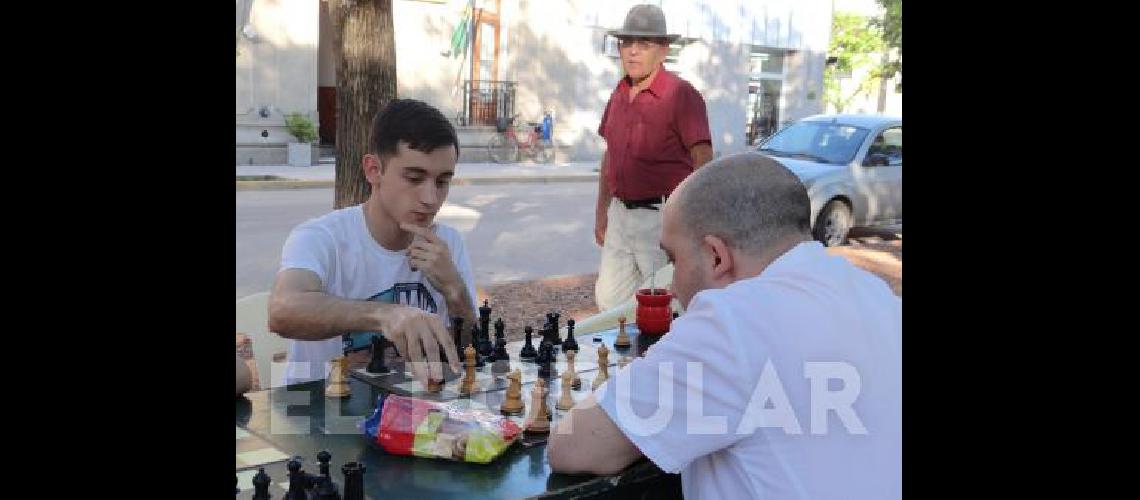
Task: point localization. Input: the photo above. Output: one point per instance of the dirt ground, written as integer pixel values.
(522, 303)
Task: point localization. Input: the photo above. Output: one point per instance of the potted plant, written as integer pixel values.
(301, 153)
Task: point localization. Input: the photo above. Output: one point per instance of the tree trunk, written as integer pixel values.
(365, 49)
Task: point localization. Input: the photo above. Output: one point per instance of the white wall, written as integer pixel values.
(423, 36)
(278, 70)
(719, 71)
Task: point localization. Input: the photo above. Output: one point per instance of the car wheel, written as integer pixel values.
(832, 224)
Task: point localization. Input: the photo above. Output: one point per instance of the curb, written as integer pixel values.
(459, 181)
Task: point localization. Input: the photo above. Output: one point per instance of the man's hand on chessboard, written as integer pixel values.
(418, 335)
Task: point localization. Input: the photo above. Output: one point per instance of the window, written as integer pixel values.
(888, 143)
(825, 142)
(767, 63)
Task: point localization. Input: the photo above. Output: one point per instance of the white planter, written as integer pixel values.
(300, 154)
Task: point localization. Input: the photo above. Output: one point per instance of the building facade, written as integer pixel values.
(758, 64)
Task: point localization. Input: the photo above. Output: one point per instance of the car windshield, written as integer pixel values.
(824, 142)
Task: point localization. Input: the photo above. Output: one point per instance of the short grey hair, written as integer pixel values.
(749, 200)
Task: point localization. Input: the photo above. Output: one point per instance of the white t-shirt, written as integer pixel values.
(753, 351)
(352, 265)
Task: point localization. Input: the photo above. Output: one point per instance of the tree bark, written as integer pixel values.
(365, 48)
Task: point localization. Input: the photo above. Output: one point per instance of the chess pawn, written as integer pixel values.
(603, 367)
(323, 457)
(566, 402)
(570, 344)
(513, 404)
(338, 379)
(622, 340)
(298, 481)
(324, 489)
(261, 485)
(575, 380)
(538, 422)
(468, 386)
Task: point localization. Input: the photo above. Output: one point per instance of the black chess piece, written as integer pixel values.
(542, 351)
(528, 353)
(555, 319)
(548, 331)
(478, 360)
(483, 346)
(325, 489)
(298, 480)
(570, 344)
(546, 360)
(675, 314)
(353, 481)
(500, 329)
(501, 353)
(502, 363)
(376, 365)
(261, 485)
(324, 457)
(485, 318)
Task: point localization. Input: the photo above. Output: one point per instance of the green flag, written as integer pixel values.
(459, 36)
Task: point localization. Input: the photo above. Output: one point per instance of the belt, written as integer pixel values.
(647, 203)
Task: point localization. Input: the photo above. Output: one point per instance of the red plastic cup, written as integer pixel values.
(653, 313)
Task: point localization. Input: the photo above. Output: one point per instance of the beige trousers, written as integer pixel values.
(630, 255)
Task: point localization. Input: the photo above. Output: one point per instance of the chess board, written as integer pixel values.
(277, 489)
(402, 381)
(253, 451)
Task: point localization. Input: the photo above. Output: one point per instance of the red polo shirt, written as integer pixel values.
(648, 140)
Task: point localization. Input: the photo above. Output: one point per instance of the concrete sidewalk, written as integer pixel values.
(323, 175)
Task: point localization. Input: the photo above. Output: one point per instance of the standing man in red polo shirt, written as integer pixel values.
(657, 133)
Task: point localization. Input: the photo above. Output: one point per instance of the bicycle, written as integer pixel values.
(510, 142)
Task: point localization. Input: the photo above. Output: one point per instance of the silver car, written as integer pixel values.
(851, 166)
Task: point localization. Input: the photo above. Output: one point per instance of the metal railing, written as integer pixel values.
(485, 101)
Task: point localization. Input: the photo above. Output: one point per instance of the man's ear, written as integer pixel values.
(717, 258)
(373, 168)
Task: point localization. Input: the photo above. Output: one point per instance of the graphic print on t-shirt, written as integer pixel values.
(412, 294)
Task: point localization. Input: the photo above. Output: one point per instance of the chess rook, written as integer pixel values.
(353, 481)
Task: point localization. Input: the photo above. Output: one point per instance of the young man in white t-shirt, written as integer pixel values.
(382, 266)
(783, 377)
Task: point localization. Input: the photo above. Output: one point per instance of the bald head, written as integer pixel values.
(748, 200)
